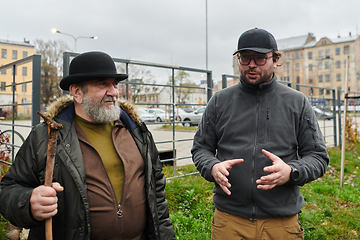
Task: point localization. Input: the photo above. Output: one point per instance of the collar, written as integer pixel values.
(263, 87)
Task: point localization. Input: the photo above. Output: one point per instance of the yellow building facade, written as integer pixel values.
(320, 63)
(13, 51)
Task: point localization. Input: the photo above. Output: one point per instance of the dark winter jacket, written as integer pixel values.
(72, 219)
(238, 123)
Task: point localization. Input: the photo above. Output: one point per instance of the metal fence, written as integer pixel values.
(10, 107)
(174, 146)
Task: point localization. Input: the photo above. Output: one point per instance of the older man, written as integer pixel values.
(107, 178)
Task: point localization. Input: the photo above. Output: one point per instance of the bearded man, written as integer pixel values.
(258, 141)
(107, 181)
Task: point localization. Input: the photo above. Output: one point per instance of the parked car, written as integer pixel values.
(322, 115)
(193, 118)
(145, 116)
(161, 115)
(188, 110)
(179, 113)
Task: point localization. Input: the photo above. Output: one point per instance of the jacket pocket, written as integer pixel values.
(311, 129)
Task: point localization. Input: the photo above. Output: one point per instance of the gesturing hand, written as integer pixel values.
(280, 173)
(43, 201)
(220, 171)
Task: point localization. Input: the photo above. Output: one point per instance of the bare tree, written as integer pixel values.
(51, 67)
(182, 80)
(138, 76)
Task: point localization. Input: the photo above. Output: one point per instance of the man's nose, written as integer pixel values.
(252, 62)
(113, 90)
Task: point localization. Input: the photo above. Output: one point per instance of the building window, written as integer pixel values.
(297, 67)
(327, 92)
(321, 91)
(327, 78)
(297, 79)
(321, 54)
(320, 78)
(2, 88)
(337, 51)
(338, 77)
(346, 49)
(297, 54)
(3, 71)
(311, 80)
(310, 67)
(327, 53)
(338, 64)
(310, 55)
(24, 71)
(327, 65)
(320, 67)
(23, 87)
(14, 54)
(3, 53)
(25, 54)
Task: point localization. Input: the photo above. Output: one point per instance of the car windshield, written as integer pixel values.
(142, 111)
(181, 111)
(159, 111)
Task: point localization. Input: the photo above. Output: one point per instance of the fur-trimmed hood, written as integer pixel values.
(54, 108)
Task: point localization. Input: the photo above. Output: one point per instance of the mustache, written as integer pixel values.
(252, 70)
(108, 98)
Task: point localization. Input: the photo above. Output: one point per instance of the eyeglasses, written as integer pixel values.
(259, 60)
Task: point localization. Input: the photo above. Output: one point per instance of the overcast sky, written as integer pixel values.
(173, 32)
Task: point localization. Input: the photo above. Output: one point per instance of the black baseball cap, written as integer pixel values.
(257, 40)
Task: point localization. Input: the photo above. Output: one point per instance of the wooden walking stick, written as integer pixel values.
(53, 128)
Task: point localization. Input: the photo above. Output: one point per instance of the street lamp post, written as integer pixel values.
(54, 30)
(206, 30)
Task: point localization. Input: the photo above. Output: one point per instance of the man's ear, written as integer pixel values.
(77, 93)
(276, 61)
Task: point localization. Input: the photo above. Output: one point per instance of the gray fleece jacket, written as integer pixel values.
(239, 122)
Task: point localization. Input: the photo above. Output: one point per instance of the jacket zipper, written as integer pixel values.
(119, 212)
(253, 156)
(119, 215)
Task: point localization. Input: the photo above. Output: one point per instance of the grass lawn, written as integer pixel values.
(330, 212)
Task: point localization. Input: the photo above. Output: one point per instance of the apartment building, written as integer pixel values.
(157, 97)
(321, 63)
(12, 51)
(292, 61)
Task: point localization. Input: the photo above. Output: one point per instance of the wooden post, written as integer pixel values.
(344, 128)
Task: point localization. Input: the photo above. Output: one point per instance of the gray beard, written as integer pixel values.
(98, 113)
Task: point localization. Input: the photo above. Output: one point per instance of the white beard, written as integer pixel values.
(98, 113)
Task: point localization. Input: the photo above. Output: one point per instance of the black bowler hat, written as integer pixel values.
(257, 40)
(91, 66)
